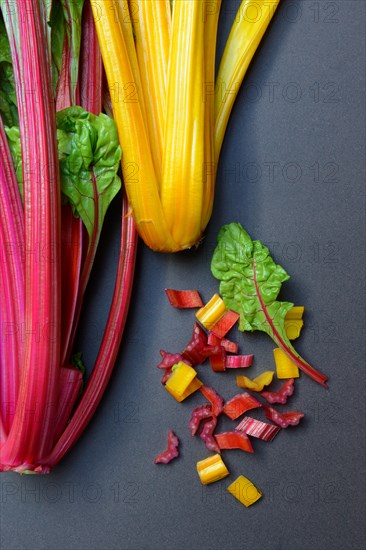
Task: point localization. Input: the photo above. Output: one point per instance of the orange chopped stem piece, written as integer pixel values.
(258, 383)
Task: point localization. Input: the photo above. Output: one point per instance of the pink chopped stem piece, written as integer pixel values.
(284, 420)
(239, 361)
(199, 413)
(226, 322)
(207, 435)
(240, 404)
(211, 350)
(167, 374)
(170, 359)
(171, 452)
(228, 345)
(218, 360)
(184, 299)
(286, 390)
(193, 352)
(257, 428)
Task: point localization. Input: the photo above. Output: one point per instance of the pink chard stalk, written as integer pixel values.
(30, 436)
(47, 250)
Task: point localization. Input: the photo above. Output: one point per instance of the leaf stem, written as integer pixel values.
(300, 362)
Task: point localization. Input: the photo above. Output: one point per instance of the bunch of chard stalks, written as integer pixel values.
(59, 161)
(170, 109)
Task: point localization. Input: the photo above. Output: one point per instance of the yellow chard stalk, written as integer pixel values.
(250, 24)
(170, 113)
(211, 14)
(184, 150)
(137, 166)
(152, 27)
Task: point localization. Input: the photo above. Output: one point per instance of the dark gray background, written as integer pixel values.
(292, 172)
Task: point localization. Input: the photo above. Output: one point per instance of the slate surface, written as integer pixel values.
(292, 172)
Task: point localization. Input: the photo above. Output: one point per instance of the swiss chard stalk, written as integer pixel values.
(91, 67)
(67, 26)
(250, 282)
(31, 433)
(11, 282)
(243, 41)
(90, 92)
(109, 347)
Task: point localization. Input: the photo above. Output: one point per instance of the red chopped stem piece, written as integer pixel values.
(211, 350)
(216, 401)
(286, 390)
(184, 299)
(170, 359)
(239, 404)
(257, 428)
(239, 361)
(171, 451)
(199, 413)
(218, 360)
(207, 435)
(283, 420)
(226, 322)
(193, 352)
(234, 440)
(228, 345)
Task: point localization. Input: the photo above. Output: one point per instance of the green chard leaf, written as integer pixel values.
(90, 155)
(65, 26)
(250, 282)
(8, 101)
(13, 135)
(57, 26)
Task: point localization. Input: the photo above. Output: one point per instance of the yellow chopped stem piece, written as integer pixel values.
(285, 368)
(258, 383)
(152, 26)
(211, 469)
(293, 328)
(211, 13)
(244, 491)
(193, 386)
(138, 170)
(184, 139)
(181, 378)
(250, 24)
(212, 312)
(295, 313)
